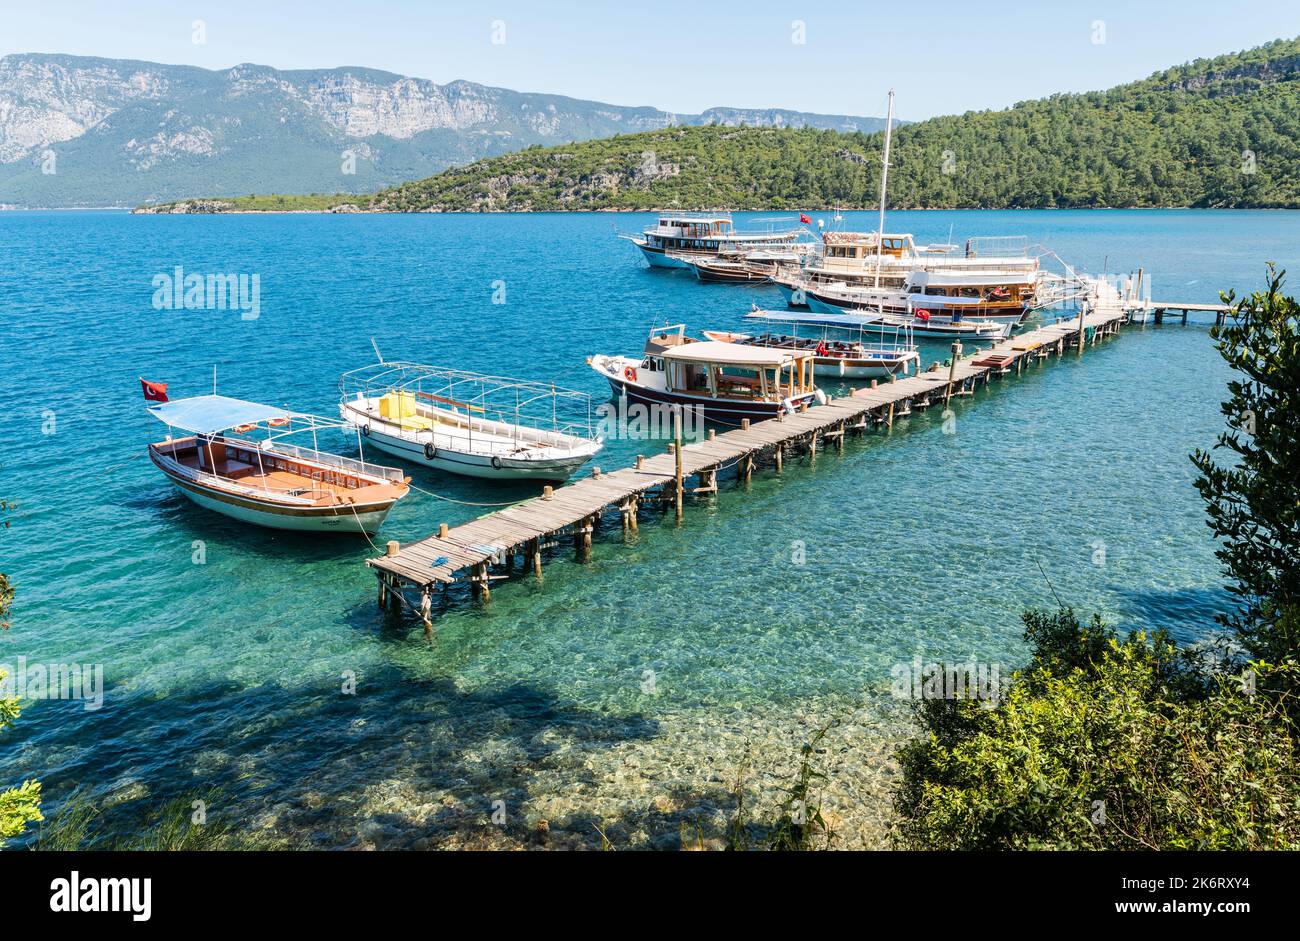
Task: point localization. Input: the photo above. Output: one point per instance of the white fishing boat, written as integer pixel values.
(724, 383)
(236, 462)
(844, 359)
(470, 424)
(887, 325)
(678, 236)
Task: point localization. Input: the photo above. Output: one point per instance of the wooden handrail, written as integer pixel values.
(438, 398)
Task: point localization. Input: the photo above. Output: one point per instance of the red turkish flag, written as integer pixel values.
(805, 218)
(153, 391)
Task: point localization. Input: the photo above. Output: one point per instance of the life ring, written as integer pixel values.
(629, 374)
(245, 429)
(496, 462)
(278, 422)
(430, 452)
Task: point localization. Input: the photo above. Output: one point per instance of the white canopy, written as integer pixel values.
(208, 414)
(733, 354)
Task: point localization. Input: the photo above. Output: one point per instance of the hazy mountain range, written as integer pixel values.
(84, 131)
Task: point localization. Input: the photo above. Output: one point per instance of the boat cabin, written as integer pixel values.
(859, 247)
(692, 232)
(732, 371)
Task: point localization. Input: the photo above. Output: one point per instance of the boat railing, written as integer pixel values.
(480, 400)
(216, 481)
(340, 461)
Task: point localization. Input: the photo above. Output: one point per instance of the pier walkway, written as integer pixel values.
(485, 549)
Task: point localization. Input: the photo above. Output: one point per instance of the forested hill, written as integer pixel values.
(1218, 132)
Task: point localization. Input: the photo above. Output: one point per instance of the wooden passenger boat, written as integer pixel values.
(722, 382)
(838, 358)
(726, 271)
(681, 235)
(470, 424)
(223, 466)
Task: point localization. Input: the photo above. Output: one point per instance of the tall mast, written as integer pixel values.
(884, 181)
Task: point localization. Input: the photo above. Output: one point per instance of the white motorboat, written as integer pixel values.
(470, 424)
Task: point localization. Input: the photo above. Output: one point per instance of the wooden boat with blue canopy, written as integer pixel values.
(235, 461)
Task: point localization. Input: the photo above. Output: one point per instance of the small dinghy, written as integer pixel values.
(470, 424)
(235, 461)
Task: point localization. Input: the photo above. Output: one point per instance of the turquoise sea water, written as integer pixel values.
(625, 692)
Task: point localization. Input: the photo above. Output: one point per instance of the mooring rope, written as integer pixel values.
(353, 507)
(438, 496)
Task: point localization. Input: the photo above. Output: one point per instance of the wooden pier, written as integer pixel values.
(1159, 310)
(486, 549)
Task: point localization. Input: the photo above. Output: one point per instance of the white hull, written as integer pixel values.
(475, 465)
(855, 372)
(659, 259)
(439, 450)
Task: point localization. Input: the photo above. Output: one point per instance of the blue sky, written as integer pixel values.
(942, 57)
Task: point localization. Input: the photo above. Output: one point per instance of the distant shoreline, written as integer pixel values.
(144, 211)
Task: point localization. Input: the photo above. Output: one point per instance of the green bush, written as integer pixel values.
(1121, 748)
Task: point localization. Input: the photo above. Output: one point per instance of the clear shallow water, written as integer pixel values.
(229, 673)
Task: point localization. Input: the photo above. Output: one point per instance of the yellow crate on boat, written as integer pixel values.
(399, 408)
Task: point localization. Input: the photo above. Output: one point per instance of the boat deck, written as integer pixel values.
(574, 509)
(283, 483)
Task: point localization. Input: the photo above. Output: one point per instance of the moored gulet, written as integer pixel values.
(851, 273)
(679, 236)
(264, 480)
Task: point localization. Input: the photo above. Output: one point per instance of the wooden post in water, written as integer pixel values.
(677, 456)
(780, 448)
(1082, 307)
(535, 550)
(426, 611)
(952, 371)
